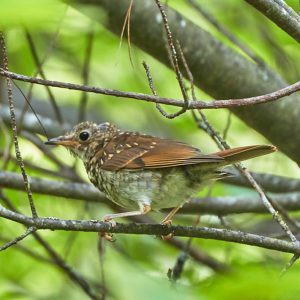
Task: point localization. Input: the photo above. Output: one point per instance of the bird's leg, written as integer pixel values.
(144, 209)
(168, 221)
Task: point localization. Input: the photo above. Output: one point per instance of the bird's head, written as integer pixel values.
(85, 138)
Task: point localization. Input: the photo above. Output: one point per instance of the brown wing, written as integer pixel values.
(133, 151)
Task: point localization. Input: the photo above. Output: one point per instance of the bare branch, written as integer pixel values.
(85, 74)
(289, 264)
(56, 188)
(29, 231)
(198, 255)
(31, 124)
(42, 73)
(14, 129)
(195, 104)
(175, 66)
(153, 229)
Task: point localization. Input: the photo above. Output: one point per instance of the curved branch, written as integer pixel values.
(153, 229)
(195, 104)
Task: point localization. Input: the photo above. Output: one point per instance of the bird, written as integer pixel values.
(142, 172)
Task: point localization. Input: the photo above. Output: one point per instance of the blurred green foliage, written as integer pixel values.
(136, 266)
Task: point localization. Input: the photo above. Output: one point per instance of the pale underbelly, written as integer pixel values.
(133, 189)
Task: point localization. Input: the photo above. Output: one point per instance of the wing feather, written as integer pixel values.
(133, 151)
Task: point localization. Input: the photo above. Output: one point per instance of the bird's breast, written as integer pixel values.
(160, 188)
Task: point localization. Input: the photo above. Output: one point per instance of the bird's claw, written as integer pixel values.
(106, 235)
(170, 235)
(166, 222)
(108, 219)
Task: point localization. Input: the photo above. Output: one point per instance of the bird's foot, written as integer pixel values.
(166, 222)
(106, 235)
(169, 236)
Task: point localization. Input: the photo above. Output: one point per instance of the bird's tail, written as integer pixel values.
(214, 170)
(238, 154)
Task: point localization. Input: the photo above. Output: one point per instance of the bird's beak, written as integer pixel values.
(61, 140)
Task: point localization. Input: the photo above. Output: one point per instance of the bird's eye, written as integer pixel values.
(84, 135)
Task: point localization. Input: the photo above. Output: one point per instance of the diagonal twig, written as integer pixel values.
(175, 65)
(29, 231)
(41, 72)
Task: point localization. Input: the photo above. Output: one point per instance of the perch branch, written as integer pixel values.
(153, 229)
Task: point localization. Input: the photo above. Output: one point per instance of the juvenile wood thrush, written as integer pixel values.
(141, 172)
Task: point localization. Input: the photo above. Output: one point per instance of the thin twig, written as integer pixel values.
(15, 131)
(199, 256)
(289, 265)
(195, 104)
(222, 144)
(28, 97)
(29, 231)
(175, 65)
(149, 77)
(101, 251)
(36, 59)
(85, 74)
(276, 215)
(227, 126)
(127, 22)
(28, 251)
(175, 273)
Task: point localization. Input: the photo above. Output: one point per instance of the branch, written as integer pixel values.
(87, 192)
(153, 229)
(8, 244)
(195, 104)
(55, 188)
(15, 130)
(237, 205)
(31, 124)
(281, 14)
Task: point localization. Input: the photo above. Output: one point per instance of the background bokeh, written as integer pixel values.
(135, 266)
